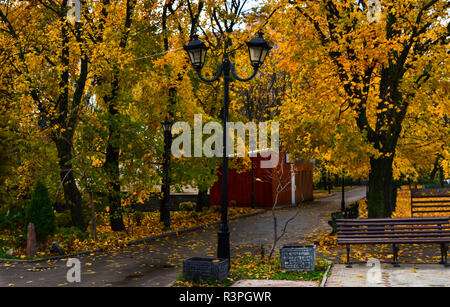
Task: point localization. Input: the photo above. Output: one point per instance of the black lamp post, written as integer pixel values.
(165, 206)
(258, 50)
(329, 182)
(343, 194)
(252, 196)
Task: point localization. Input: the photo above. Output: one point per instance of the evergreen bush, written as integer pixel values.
(40, 212)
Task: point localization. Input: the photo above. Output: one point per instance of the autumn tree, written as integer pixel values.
(366, 75)
(51, 64)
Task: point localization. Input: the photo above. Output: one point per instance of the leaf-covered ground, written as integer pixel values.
(254, 267)
(139, 225)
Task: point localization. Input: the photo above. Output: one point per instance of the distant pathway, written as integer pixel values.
(159, 263)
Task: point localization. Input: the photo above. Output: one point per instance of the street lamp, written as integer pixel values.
(258, 50)
(343, 194)
(165, 206)
(329, 182)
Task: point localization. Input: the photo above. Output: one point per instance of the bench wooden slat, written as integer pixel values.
(381, 228)
(430, 192)
(423, 230)
(394, 241)
(436, 199)
(431, 202)
(356, 234)
(431, 211)
(374, 236)
(397, 241)
(363, 233)
(393, 229)
(431, 196)
(398, 220)
(382, 224)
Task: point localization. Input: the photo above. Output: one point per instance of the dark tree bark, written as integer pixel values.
(72, 195)
(381, 188)
(202, 200)
(441, 176)
(329, 183)
(437, 169)
(112, 158)
(323, 179)
(67, 122)
(112, 169)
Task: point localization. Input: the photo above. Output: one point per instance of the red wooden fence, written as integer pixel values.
(266, 181)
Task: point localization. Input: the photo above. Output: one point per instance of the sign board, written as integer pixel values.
(298, 257)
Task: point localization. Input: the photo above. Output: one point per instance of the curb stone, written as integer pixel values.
(134, 242)
(51, 258)
(325, 276)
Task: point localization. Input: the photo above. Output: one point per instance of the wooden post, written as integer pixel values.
(31, 240)
(93, 224)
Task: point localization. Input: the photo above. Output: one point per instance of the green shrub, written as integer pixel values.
(63, 219)
(4, 254)
(71, 233)
(9, 219)
(187, 206)
(40, 212)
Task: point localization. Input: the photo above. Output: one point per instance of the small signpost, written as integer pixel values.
(298, 257)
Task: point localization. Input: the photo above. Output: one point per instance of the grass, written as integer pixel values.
(3, 254)
(253, 267)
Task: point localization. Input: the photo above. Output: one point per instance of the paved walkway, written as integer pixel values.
(159, 263)
(385, 275)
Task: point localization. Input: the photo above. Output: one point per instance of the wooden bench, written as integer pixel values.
(437, 201)
(422, 230)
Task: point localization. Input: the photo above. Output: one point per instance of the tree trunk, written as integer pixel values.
(441, 176)
(93, 223)
(435, 169)
(72, 195)
(112, 150)
(323, 180)
(329, 184)
(381, 201)
(252, 196)
(202, 200)
(112, 169)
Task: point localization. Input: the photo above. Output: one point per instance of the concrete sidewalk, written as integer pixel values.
(385, 275)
